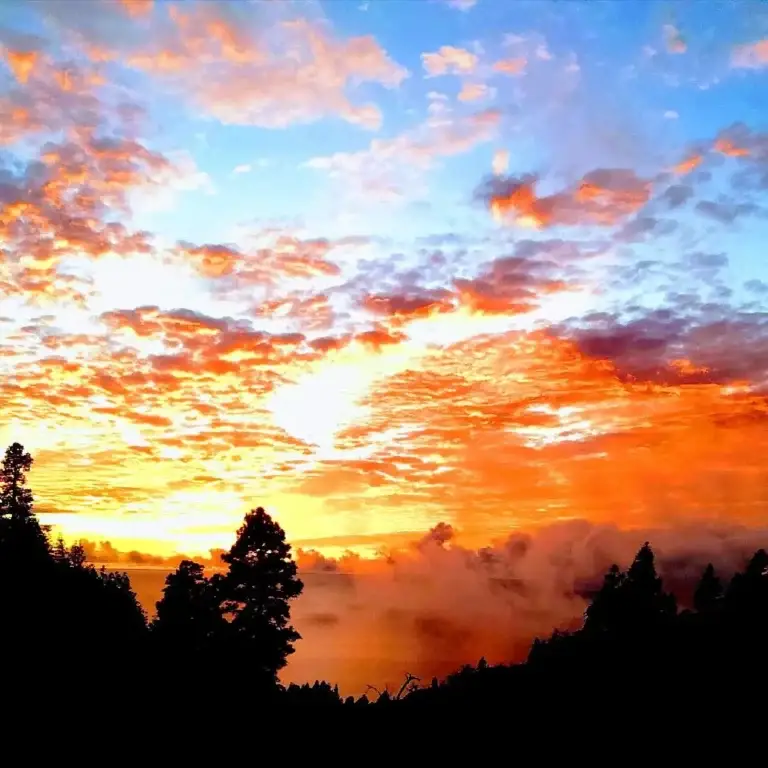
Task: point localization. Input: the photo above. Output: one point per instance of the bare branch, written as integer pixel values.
(410, 684)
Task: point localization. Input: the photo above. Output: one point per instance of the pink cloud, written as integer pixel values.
(272, 75)
(751, 55)
(449, 60)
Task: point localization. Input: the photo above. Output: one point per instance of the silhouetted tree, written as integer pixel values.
(188, 615)
(49, 596)
(60, 552)
(602, 612)
(97, 615)
(709, 592)
(643, 595)
(256, 592)
(15, 497)
(122, 613)
(27, 594)
(746, 599)
(23, 541)
(77, 555)
(320, 694)
(631, 601)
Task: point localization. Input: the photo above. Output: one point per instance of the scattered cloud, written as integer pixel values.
(474, 92)
(449, 60)
(386, 169)
(511, 66)
(500, 161)
(250, 65)
(689, 164)
(543, 52)
(601, 198)
(751, 55)
(137, 8)
(673, 39)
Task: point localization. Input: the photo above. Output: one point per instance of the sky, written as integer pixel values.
(384, 266)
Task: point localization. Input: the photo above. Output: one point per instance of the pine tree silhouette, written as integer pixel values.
(27, 594)
(709, 592)
(188, 615)
(256, 592)
(60, 551)
(23, 540)
(603, 612)
(644, 600)
(746, 599)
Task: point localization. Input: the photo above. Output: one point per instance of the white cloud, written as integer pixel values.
(461, 5)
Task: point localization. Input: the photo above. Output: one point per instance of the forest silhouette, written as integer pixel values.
(228, 635)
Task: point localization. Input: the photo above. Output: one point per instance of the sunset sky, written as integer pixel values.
(382, 265)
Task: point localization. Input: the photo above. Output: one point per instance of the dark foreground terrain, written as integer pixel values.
(71, 633)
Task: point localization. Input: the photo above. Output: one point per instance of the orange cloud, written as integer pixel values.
(511, 66)
(137, 8)
(474, 92)
(689, 164)
(214, 260)
(449, 60)
(50, 92)
(56, 208)
(275, 257)
(253, 85)
(728, 148)
(22, 63)
(601, 198)
(750, 55)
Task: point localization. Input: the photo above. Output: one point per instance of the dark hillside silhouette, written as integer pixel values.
(636, 657)
(49, 596)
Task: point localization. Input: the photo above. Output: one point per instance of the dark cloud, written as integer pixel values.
(677, 195)
(510, 285)
(725, 212)
(644, 228)
(711, 343)
(705, 261)
(756, 286)
(409, 305)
